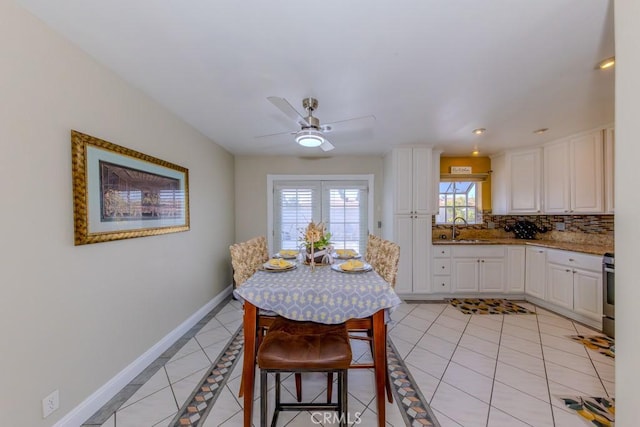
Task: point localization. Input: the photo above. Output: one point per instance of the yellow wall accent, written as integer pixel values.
(478, 165)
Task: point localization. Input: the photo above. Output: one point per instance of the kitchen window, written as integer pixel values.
(459, 199)
(342, 204)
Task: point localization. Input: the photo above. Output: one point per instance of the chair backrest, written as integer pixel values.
(386, 255)
(247, 257)
(373, 242)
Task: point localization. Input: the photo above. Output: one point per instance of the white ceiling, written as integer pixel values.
(430, 71)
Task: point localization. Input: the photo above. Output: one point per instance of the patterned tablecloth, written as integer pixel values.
(322, 295)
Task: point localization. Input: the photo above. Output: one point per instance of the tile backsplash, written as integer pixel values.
(590, 224)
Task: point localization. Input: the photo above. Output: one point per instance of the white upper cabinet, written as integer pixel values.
(609, 162)
(413, 168)
(517, 182)
(574, 175)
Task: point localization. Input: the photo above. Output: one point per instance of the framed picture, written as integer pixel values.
(119, 193)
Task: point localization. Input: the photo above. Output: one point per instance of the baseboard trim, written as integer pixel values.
(100, 397)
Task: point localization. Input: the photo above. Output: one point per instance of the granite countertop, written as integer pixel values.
(575, 246)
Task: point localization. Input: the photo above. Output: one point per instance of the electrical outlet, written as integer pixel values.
(50, 403)
(560, 226)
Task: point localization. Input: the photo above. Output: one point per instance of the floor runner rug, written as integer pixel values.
(599, 411)
(488, 306)
(601, 344)
(413, 406)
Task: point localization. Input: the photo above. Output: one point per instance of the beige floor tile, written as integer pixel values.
(427, 361)
(157, 382)
(148, 411)
(187, 365)
(469, 381)
(460, 406)
(437, 345)
(523, 361)
(475, 361)
(522, 380)
(521, 405)
(497, 418)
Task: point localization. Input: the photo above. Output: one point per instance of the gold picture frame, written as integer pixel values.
(119, 193)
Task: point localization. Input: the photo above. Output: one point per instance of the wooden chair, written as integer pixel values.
(292, 346)
(384, 256)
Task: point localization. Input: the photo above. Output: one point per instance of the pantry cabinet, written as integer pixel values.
(409, 185)
(574, 175)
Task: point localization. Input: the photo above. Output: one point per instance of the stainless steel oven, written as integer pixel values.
(608, 295)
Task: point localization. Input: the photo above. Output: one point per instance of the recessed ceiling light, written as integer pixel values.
(475, 152)
(541, 130)
(607, 63)
(479, 131)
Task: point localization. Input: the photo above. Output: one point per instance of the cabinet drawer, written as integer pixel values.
(478, 251)
(441, 251)
(442, 284)
(574, 259)
(441, 266)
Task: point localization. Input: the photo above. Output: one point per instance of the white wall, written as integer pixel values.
(627, 231)
(72, 317)
(251, 184)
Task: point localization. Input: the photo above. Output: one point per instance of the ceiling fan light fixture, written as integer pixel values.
(309, 138)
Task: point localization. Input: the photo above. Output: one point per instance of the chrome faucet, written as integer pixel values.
(453, 226)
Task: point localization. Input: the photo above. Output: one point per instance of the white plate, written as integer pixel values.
(279, 255)
(356, 256)
(366, 267)
(268, 266)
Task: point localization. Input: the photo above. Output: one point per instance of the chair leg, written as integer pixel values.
(263, 398)
(330, 387)
(298, 376)
(343, 397)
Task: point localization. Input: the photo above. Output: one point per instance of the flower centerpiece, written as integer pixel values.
(317, 243)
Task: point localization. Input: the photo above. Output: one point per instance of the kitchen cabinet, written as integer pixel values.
(516, 261)
(609, 162)
(535, 271)
(574, 175)
(409, 186)
(575, 283)
(413, 234)
(413, 170)
(441, 269)
(516, 182)
(478, 268)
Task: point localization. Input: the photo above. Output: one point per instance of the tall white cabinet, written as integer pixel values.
(409, 174)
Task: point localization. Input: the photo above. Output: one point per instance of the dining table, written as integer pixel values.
(322, 294)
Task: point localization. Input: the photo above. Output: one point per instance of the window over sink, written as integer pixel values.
(459, 199)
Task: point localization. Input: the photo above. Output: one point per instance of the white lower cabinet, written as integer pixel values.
(413, 234)
(478, 268)
(535, 271)
(516, 261)
(574, 282)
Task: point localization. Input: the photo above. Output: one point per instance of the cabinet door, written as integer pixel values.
(404, 238)
(404, 180)
(524, 178)
(609, 162)
(587, 293)
(535, 272)
(557, 178)
(492, 274)
(560, 285)
(465, 274)
(421, 253)
(422, 180)
(515, 269)
(587, 168)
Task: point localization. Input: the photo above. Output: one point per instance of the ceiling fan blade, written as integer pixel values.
(275, 134)
(284, 106)
(350, 124)
(326, 146)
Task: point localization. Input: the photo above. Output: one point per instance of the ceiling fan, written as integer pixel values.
(311, 133)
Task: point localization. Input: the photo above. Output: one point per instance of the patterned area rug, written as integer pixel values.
(599, 411)
(488, 306)
(413, 406)
(601, 344)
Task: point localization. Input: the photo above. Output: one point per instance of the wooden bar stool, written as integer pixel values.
(291, 346)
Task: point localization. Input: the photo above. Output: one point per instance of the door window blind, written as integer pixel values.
(341, 205)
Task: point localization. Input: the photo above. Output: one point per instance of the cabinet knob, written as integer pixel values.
(482, 261)
(566, 211)
(571, 259)
(568, 271)
(477, 260)
(442, 267)
(442, 284)
(540, 252)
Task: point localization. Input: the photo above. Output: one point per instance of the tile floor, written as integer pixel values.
(474, 370)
